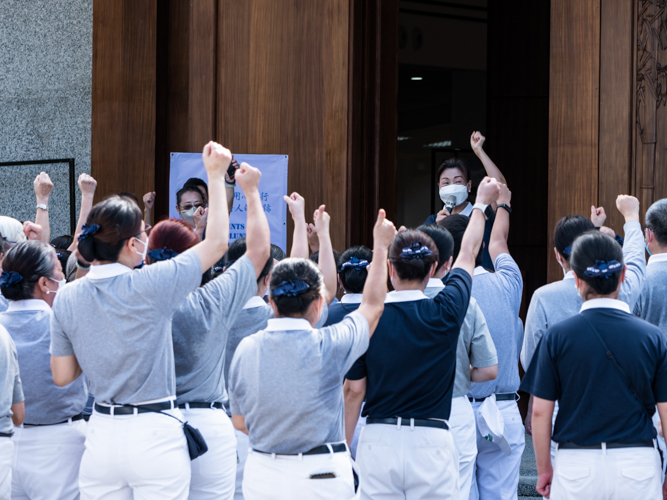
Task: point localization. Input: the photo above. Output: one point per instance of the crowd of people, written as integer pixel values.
(164, 363)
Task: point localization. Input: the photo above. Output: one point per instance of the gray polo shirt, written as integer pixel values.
(287, 381)
(29, 324)
(498, 294)
(200, 331)
(652, 303)
(475, 345)
(117, 322)
(560, 300)
(11, 391)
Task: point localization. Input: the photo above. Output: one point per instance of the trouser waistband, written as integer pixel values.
(6, 434)
(318, 450)
(198, 406)
(409, 422)
(132, 409)
(608, 446)
(73, 419)
(511, 396)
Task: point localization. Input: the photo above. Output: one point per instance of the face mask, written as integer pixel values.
(458, 191)
(188, 215)
(145, 251)
(61, 283)
(561, 266)
(649, 252)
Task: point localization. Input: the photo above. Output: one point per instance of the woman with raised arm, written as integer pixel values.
(115, 326)
(298, 447)
(49, 445)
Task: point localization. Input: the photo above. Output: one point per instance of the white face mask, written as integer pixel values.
(61, 283)
(458, 191)
(144, 252)
(189, 215)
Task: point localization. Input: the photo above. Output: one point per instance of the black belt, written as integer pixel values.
(130, 409)
(318, 450)
(610, 446)
(6, 434)
(74, 419)
(418, 422)
(499, 397)
(197, 406)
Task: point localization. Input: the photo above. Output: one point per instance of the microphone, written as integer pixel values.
(450, 203)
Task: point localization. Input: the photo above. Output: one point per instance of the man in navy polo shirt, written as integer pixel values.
(607, 369)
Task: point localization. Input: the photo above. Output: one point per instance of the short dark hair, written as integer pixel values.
(119, 219)
(129, 196)
(656, 220)
(237, 249)
(188, 189)
(567, 230)
(458, 163)
(62, 242)
(197, 182)
(277, 252)
(32, 260)
(412, 269)
(457, 224)
(589, 249)
(353, 280)
(443, 241)
(296, 270)
(315, 257)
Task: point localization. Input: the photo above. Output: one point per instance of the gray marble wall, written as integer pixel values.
(46, 50)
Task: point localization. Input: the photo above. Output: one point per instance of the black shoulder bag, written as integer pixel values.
(196, 444)
(622, 374)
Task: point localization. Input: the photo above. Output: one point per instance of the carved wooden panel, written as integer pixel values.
(650, 141)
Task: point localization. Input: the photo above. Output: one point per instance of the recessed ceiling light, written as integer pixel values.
(416, 78)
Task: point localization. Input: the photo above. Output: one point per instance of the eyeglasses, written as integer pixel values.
(189, 206)
(147, 229)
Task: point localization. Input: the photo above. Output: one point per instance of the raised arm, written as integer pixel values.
(487, 193)
(43, 188)
(633, 250)
(258, 235)
(297, 207)
(326, 261)
(149, 201)
(375, 288)
(477, 143)
(501, 226)
(87, 185)
(216, 161)
(230, 184)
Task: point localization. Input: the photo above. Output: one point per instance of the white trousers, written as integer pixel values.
(617, 474)
(135, 457)
(496, 474)
(398, 463)
(47, 460)
(214, 473)
(6, 457)
(242, 449)
(283, 477)
(361, 423)
(464, 431)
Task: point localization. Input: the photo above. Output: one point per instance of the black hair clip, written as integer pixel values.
(164, 254)
(415, 251)
(290, 288)
(10, 278)
(355, 263)
(87, 232)
(603, 269)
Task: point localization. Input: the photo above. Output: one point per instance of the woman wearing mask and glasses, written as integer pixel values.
(115, 326)
(191, 204)
(49, 445)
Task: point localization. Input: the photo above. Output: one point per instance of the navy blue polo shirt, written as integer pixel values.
(595, 404)
(411, 359)
(487, 261)
(341, 309)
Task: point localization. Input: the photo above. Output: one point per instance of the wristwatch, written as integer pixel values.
(505, 206)
(486, 210)
(43, 207)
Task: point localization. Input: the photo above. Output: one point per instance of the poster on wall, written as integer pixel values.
(272, 188)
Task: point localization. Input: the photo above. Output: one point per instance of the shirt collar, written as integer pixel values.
(569, 275)
(658, 257)
(352, 298)
(28, 305)
(605, 303)
(286, 324)
(467, 210)
(254, 302)
(435, 283)
(105, 271)
(405, 296)
(479, 270)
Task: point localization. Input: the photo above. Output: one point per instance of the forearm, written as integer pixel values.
(375, 288)
(471, 242)
(42, 219)
(499, 234)
(491, 169)
(18, 413)
(229, 191)
(327, 265)
(148, 216)
(300, 238)
(541, 424)
(353, 402)
(86, 207)
(258, 235)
